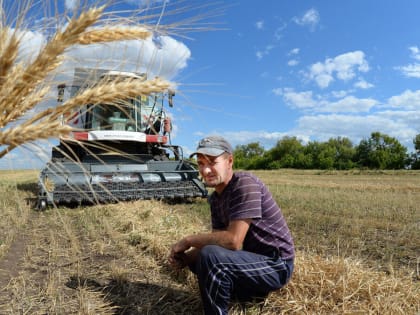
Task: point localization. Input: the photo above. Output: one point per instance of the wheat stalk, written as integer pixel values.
(25, 133)
(113, 34)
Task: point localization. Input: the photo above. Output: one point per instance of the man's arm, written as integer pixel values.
(231, 238)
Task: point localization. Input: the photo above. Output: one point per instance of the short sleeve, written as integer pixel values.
(246, 199)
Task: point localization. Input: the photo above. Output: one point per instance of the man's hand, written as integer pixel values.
(178, 261)
(177, 257)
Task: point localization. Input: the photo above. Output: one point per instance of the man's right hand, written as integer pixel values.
(178, 260)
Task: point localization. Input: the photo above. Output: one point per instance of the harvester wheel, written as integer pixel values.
(42, 204)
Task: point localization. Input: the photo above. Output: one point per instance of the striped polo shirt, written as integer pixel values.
(246, 197)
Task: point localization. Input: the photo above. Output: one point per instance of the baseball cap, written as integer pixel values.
(213, 146)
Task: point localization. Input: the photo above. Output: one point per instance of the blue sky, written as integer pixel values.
(310, 69)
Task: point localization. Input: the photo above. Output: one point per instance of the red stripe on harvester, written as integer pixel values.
(156, 138)
(80, 135)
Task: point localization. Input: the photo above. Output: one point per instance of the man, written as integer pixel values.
(250, 251)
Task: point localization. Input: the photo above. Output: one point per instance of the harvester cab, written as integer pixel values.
(117, 151)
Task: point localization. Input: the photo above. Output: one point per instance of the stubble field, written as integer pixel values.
(356, 235)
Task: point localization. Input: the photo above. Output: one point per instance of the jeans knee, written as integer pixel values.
(209, 251)
(209, 256)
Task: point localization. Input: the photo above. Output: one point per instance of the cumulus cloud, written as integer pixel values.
(293, 62)
(412, 70)
(342, 67)
(349, 104)
(362, 84)
(409, 100)
(161, 56)
(309, 18)
(301, 100)
(415, 52)
(306, 100)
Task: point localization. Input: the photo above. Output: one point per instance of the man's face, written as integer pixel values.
(215, 170)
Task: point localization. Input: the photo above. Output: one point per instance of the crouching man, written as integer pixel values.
(250, 251)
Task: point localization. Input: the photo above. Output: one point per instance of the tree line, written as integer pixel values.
(380, 151)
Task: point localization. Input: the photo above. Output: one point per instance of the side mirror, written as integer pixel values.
(60, 96)
(171, 94)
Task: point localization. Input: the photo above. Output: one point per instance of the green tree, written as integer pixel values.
(246, 155)
(344, 153)
(381, 151)
(285, 153)
(415, 157)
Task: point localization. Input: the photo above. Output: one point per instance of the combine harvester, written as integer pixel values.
(118, 151)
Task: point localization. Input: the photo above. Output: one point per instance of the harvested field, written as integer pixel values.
(356, 235)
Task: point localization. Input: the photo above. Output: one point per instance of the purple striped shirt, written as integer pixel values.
(246, 197)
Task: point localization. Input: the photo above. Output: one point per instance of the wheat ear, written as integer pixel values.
(47, 60)
(113, 34)
(8, 54)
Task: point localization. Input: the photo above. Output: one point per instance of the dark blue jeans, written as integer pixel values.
(225, 275)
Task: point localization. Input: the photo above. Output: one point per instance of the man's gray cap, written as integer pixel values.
(213, 146)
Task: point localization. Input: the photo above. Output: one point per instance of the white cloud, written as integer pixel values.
(145, 3)
(411, 70)
(354, 127)
(309, 18)
(339, 94)
(342, 67)
(362, 84)
(294, 51)
(349, 104)
(293, 62)
(359, 127)
(265, 138)
(278, 34)
(301, 100)
(30, 44)
(164, 56)
(306, 100)
(259, 25)
(71, 4)
(409, 100)
(262, 53)
(159, 56)
(415, 52)
(277, 91)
